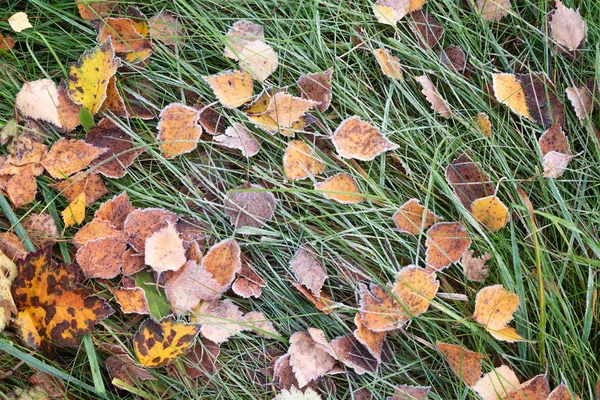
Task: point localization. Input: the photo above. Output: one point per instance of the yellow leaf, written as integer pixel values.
(491, 212)
(508, 90)
(159, 344)
(341, 188)
(19, 22)
(89, 77)
(75, 212)
(232, 88)
(494, 307)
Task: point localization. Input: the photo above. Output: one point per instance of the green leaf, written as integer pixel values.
(157, 301)
(86, 119)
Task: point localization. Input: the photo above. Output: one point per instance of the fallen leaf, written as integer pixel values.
(348, 350)
(567, 27)
(21, 189)
(475, 268)
(68, 156)
(408, 392)
(238, 137)
(300, 161)
(491, 212)
(219, 320)
(368, 338)
(115, 210)
(232, 88)
(454, 58)
(19, 140)
(89, 77)
(427, 30)
(94, 9)
(40, 100)
(561, 392)
(123, 368)
(438, 104)
(308, 361)
(165, 27)
(88, 183)
(11, 246)
(223, 261)
(30, 164)
(468, 181)
(8, 272)
(415, 288)
(258, 59)
(133, 262)
(494, 307)
(95, 229)
(212, 121)
(41, 229)
(201, 361)
(131, 300)
(114, 102)
(542, 101)
(124, 35)
(140, 224)
(159, 343)
(250, 205)
(359, 140)
(496, 384)
(259, 323)
(285, 109)
(493, 10)
(317, 87)
(103, 257)
(68, 110)
(582, 101)
(446, 244)
(189, 285)
(178, 130)
(509, 91)
(379, 310)
(248, 283)
(239, 35)
(391, 11)
(6, 42)
(164, 250)
(308, 270)
(484, 124)
(74, 214)
(556, 150)
(341, 188)
(40, 290)
(390, 65)
(534, 389)
(296, 394)
(466, 364)
(412, 217)
(19, 22)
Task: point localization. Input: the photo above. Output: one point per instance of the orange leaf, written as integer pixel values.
(341, 188)
(446, 244)
(412, 217)
(178, 130)
(466, 364)
(357, 139)
(69, 156)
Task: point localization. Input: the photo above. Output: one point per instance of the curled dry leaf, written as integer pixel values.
(308, 361)
(373, 341)
(238, 137)
(390, 65)
(426, 29)
(309, 271)
(438, 104)
(165, 27)
(232, 88)
(285, 109)
(322, 302)
(40, 291)
(115, 210)
(408, 392)
(219, 320)
(164, 250)
(484, 124)
(140, 224)
(582, 101)
(493, 10)
(131, 300)
(103, 257)
(466, 364)
(491, 212)
(88, 183)
(346, 349)
(248, 283)
(239, 35)
(258, 59)
(250, 205)
(120, 153)
(317, 87)
(68, 156)
(468, 181)
(354, 138)
(256, 111)
(41, 229)
(561, 392)
(412, 217)
(341, 188)
(494, 309)
(475, 268)
(567, 27)
(446, 244)
(178, 130)
(19, 22)
(497, 383)
(391, 11)
(89, 77)
(556, 150)
(91, 10)
(159, 343)
(300, 161)
(123, 368)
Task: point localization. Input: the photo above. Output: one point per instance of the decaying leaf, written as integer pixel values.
(123, 368)
(41, 290)
(29, 164)
(6, 42)
(556, 150)
(391, 11)
(239, 35)
(446, 244)
(165, 27)
(491, 212)
(567, 27)
(300, 161)
(542, 101)
(412, 217)
(88, 183)
(493, 10)
(341, 188)
(115, 210)
(285, 109)
(11, 246)
(484, 124)
(238, 137)
(475, 268)
(41, 229)
(19, 22)
(21, 189)
(232, 88)
(309, 271)
(322, 302)
(159, 343)
(94, 9)
(219, 320)
(68, 156)
(74, 214)
(438, 104)
(497, 383)
(494, 309)
(308, 361)
(141, 224)
(408, 392)
(317, 87)
(211, 120)
(189, 285)
(178, 130)
(19, 140)
(468, 181)
(258, 59)
(454, 58)
(373, 341)
(89, 77)
(379, 310)
(95, 229)
(68, 110)
(223, 261)
(250, 205)
(131, 300)
(534, 389)
(354, 138)
(346, 349)
(390, 65)
(426, 29)
(582, 101)
(466, 364)
(248, 283)
(201, 361)
(102, 257)
(125, 37)
(8, 272)
(164, 250)
(561, 392)
(120, 153)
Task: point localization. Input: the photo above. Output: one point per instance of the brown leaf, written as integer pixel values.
(223, 261)
(69, 156)
(189, 285)
(220, 320)
(250, 205)
(29, 164)
(475, 268)
(102, 258)
(379, 310)
(21, 189)
(556, 150)
(390, 65)
(114, 101)
(426, 29)
(454, 58)
(468, 181)
(317, 87)
(567, 27)
(132, 262)
(446, 244)
(165, 27)
(561, 392)
(140, 224)
(90, 10)
(359, 140)
(322, 302)
(83, 182)
(211, 120)
(41, 229)
(238, 137)
(484, 124)
(131, 300)
(201, 361)
(124, 35)
(534, 389)
(438, 104)
(493, 10)
(68, 110)
(346, 349)
(239, 35)
(407, 392)
(368, 338)
(308, 362)
(542, 102)
(309, 271)
(248, 283)
(123, 368)
(11, 246)
(115, 210)
(6, 42)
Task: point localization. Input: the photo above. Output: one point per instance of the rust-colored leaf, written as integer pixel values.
(317, 87)
(446, 243)
(357, 139)
(68, 156)
(412, 217)
(178, 130)
(341, 188)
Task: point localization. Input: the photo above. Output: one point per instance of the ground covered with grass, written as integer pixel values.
(546, 251)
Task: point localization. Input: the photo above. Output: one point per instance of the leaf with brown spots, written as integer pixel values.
(484, 124)
(412, 217)
(8, 272)
(466, 364)
(491, 212)
(114, 102)
(140, 224)
(494, 309)
(131, 300)
(368, 338)
(238, 137)
(541, 97)
(285, 109)
(223, 261)
(178, 130)
(359, 140)
(232, 88)
(95, 229)
(201, 361)
(41, 229)
(89, 77)
(219, 320)
(534, 389)
(124, 35)
(317, 87)
(497, 383)
(115, 210)
(390, 65)
(21, 189)
(427, 30)
(438, 104)
(408, 392)
(308, 361)
(68, 156)
(29, 164)
(475, 268)
(309, 271)
(239, 35)
(561, 392)
(164, 250)
(103, 257)
(88, 183)
(468, 181)
(493, 10)
(391, 11)
(250, 206)
(132, 262)
(123, 368)
(567, 28)
(11, 246)
(93, 9)
(556, 150)
(53, 307)
(454, 58)
(379, 310)
(159, 343)
(300, 161)
(446, 244)
(341, 188)
(415, 289)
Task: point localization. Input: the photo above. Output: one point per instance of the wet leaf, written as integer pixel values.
(446, 244)
(359, 140)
